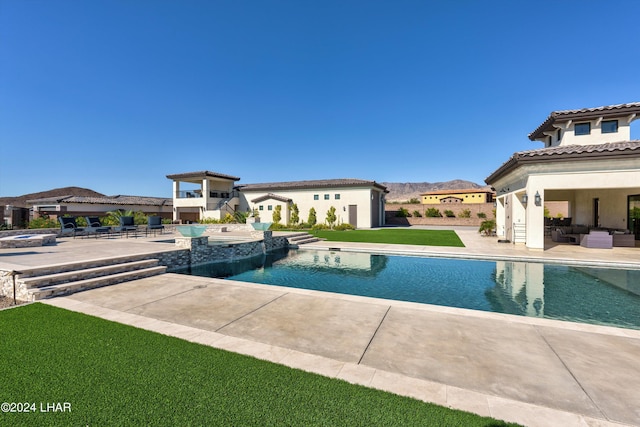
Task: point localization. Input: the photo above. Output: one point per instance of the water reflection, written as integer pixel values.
(582, 294)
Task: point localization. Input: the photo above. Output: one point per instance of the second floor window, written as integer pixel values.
(583, 128)
(610, 126)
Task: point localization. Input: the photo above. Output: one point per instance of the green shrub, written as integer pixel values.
(344, 227)
(414, 201)
(417, 214)
(312, 217)
(487, 227)
(320, 227)
(295, 214)
(482, 215)
(433, 213)
(43, 222)
(331, 216)
(403, 213)
(465, 213)
(276, 217)
(449, 214)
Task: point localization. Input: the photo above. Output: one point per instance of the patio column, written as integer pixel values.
(535, 218)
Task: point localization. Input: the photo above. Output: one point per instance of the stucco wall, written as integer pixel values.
(305, 201)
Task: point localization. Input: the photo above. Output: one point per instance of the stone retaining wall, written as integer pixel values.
(392, 209)
(201, 252)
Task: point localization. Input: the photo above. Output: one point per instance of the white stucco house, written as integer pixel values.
(588, 161)
(206, 194)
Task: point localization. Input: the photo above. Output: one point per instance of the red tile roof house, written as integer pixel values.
(588, 160)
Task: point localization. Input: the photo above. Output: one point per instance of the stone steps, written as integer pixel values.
(86, 273)
(298, 239)
(95, 282)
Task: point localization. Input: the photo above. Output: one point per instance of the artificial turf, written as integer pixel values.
(113, 374)
(398, 236)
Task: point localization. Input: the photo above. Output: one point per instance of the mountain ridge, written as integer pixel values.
(404, 191)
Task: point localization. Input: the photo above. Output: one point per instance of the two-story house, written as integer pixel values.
(206, 194)
(588, 160)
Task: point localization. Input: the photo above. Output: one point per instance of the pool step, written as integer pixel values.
(301, 239)
(96, 282)
(54, 282)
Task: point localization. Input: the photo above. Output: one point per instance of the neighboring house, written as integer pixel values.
(477, 195)
(213, 195)
(589, 161)
(55, 207)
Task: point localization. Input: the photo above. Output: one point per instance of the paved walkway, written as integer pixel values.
(537, 372)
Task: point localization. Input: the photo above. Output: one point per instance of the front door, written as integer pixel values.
(633, 216)
(353, 215)
(596, 212)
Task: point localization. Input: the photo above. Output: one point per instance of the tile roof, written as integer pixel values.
(271, 196)
(201, 175)
(319, 183)
(106, 200)
(607, 111)
(469, 190)
(567, 152)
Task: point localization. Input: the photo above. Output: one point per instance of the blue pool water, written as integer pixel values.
(575, 293)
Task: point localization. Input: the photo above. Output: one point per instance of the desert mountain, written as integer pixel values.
(403, 191)
(57, 192)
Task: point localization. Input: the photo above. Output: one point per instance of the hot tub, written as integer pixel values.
(27, 240)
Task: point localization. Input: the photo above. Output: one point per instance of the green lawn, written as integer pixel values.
(113, 374)
(401, 236)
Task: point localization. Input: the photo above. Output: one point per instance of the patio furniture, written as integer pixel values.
(68, 226)
(624, 239)
(95, 227)
(597, 239)
(127, 225)
(154, 223)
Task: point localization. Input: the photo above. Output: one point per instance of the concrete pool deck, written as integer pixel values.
(536, 372)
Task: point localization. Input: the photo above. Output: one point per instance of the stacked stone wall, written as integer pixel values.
(391, 211)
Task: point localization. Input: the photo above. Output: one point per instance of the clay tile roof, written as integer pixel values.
(608, 111)
(106, 200)
(319, 183)
(469, 190)
(201, 175)
(567, 152)
(271, 196)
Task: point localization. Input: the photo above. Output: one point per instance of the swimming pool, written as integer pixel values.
(574, 293)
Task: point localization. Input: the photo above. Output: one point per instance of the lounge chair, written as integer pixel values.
(154, 223)
(95, 227)
(68, 226)
(127, 225)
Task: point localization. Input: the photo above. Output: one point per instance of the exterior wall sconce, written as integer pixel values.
(525, 199)
(538, 199)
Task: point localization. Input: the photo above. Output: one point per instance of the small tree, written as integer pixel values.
(331, 216)
(487, 227)
(449, 213)
(312, 217)
(277, 214)
(295, 214)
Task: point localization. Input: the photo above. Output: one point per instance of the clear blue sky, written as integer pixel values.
(114, 95)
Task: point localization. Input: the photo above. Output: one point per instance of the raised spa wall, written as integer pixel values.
(202, 253)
